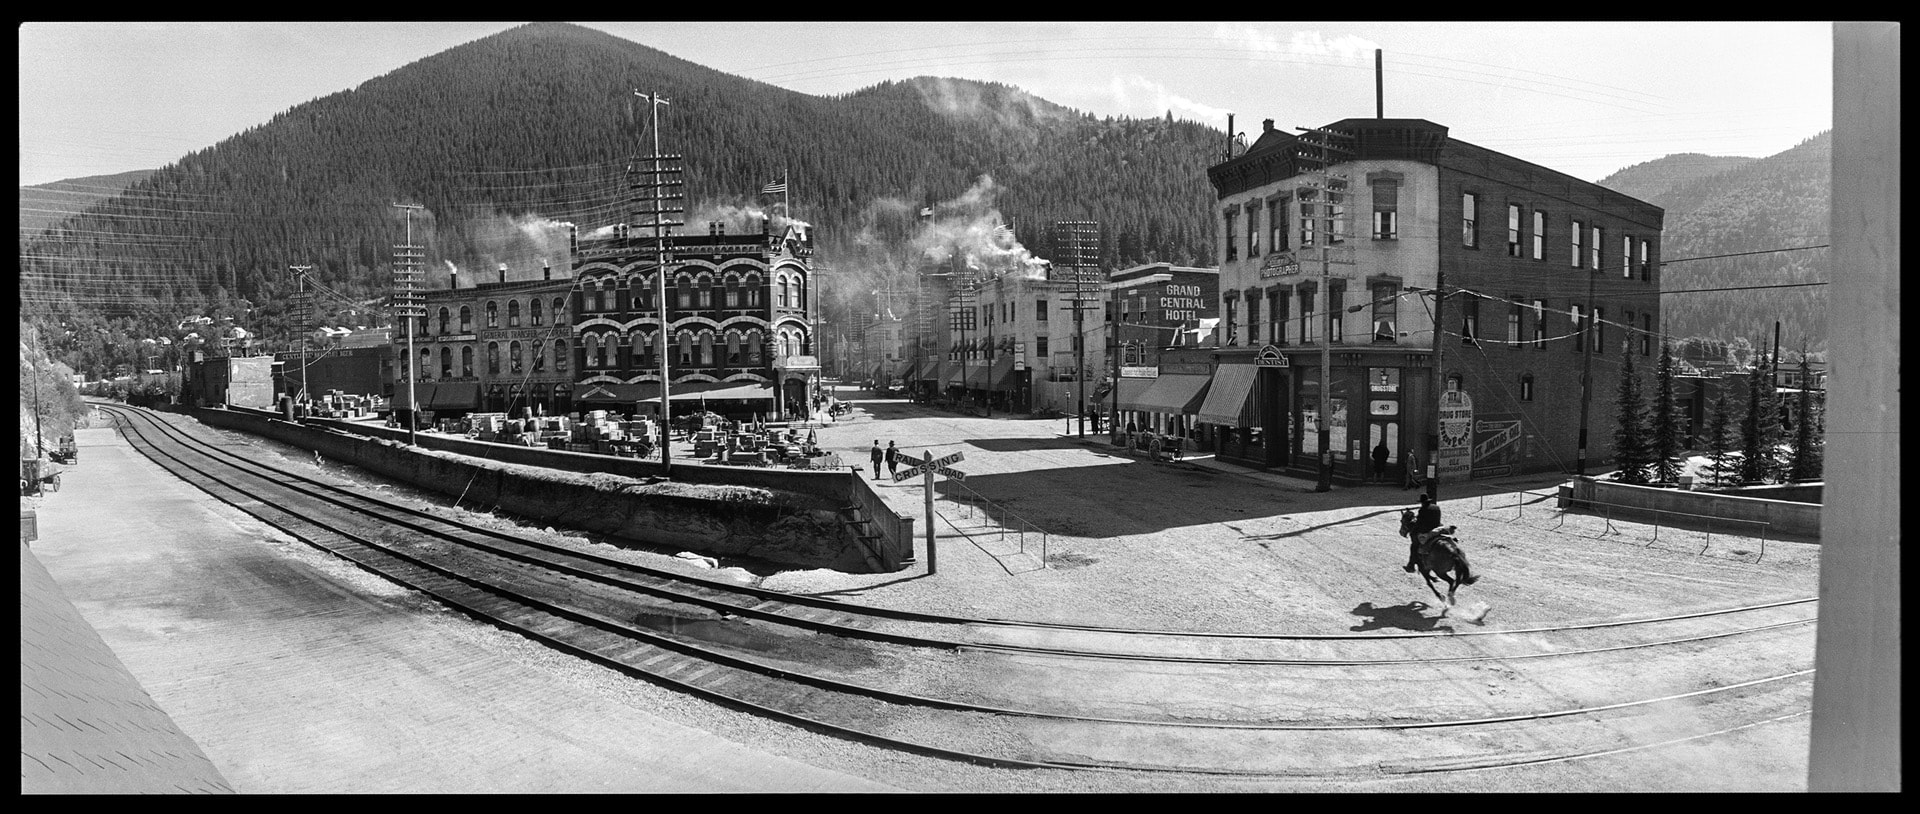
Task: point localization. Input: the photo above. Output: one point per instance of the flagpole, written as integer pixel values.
(784, 201)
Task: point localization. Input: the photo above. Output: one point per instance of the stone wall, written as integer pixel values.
(793, 527)
(1782, 518)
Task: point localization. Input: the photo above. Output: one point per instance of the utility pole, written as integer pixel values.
(1440, 384)
(663, 171)
(408, 304)
(1325, 180)
(1081, 252)
(1586, 374)
(303, 310)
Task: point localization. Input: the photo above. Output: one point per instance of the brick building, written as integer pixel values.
(739, 336)
(1154, 308)
(500, 346)
(1347, 230)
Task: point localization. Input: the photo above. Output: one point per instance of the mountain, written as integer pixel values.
(504, 138)
(1751, 208)
(43, 205)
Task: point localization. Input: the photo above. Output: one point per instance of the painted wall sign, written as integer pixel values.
(1456, 434)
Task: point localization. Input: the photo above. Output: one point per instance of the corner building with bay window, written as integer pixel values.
(738, 336)
(1347, 231)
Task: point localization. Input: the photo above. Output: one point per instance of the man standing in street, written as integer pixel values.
(876, 455)
(1380, 454)
(893, 459)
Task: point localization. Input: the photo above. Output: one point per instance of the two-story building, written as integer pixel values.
(1152, 308)
(1336, 240)
(735, 323)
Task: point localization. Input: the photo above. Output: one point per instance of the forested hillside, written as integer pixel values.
(504, 139)
(1719, 206)
(44, 205)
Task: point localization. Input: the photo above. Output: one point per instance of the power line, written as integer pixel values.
(1742, 254)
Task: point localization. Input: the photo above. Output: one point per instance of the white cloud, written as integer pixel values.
(1301, 43)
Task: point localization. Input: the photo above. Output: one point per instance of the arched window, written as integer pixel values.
(686, 347)
(561, 356)
(733, 291)
(513, 313)
(683, 292)
(493, 314)
(493, 358)
(446, 362)
(753, 347)
(539, 353)
(513, 357)
(753, 291)
(733, 344)
(705, 286)
(799, 293)
(466, 360)
(466, 320)
(444, 316)
(643, 349)
(533, 313)
(426, 363)
(590, 344)
(706, 348)
(600, 350)
(780, 285)
(559, 309)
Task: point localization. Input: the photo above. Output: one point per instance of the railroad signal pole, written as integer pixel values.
(303, 317)
(926, 468)
(1077, 243)
(408, 304)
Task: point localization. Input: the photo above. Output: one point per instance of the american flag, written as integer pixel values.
(777, 186)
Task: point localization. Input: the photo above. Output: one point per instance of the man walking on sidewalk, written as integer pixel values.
(893, 459)
(876, 455)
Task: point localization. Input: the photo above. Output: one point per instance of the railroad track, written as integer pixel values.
(1011, 693)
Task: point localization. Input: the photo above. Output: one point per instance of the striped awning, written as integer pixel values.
(1171, 393)
(1230, 401)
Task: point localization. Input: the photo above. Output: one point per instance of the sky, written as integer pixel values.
(1583, 98)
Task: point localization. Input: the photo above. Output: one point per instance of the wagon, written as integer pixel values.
(68, 452)
(37, 476)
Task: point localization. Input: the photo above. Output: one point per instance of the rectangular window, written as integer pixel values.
(1309, 214)
(1540, 324)
(1626, 256)
(1576, 232)
(1579, 329)
(1470, 322)
(1277, 223)
(1337, 212)
(1233, 245)
(1646, 333)
(1626, 332)
(1306, 315)
(1646, 269)
(1386, 209)
(1253, 318)
(733, 297)
(1040, 310)
(1469, 220)
(1279, 317)
(1228, 337)
(1253, 229)
(1539, 235)
(1513, 324)
(1513, 230)
(1593, 251)
(1526, 387)
(1386, 312)
(1599, 322)
(1336, 309)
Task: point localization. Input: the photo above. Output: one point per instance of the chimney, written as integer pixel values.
(1266, 126)
(1229, 135)
(573, 239)
(453, 278)
(546, 271)
(503, 272)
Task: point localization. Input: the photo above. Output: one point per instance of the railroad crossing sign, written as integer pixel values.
(931, 466)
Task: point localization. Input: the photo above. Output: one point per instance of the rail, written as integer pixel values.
(1005, 523)
(1673, 521)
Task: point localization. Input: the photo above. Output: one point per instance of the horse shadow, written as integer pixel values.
(1410, 616)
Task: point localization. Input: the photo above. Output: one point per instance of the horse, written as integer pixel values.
(1440, 556)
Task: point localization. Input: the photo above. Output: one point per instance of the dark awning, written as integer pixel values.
(452, 396)
(1229, 402)
(1003, 373)
(1172, 393)
(627, 393)
(903, 370)
(956, 373)
(422, 395)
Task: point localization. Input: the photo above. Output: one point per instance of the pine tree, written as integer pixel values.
(1760, 429)
(1630, 436)
(1807, 437)
(1723, 460)
(1665, 421)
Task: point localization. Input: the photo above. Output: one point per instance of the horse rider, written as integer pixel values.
(1424, 525)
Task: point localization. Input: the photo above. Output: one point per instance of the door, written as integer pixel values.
(1388, 431)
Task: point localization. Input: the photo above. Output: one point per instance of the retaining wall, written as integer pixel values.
(796, 523)
(1783, 517)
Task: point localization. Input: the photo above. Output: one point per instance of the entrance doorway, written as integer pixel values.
(1388, 431)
